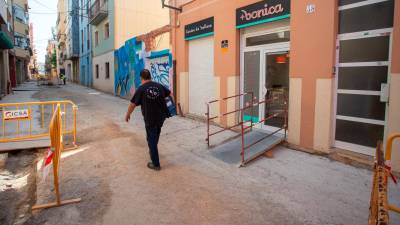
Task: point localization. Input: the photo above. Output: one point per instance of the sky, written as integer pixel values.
(43, 16)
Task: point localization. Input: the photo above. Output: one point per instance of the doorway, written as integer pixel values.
(265, 59)
(201, 74)
(275, 89)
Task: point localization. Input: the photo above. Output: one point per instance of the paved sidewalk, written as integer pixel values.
(109, 173)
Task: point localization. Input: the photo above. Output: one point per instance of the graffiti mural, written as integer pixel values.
(122, 77)
(131, 58)
(160, 66)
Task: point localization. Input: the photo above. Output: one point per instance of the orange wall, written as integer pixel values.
(312, 40)
(396, 39)
(224, 12)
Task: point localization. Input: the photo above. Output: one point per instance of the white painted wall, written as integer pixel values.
(101, 83)
(136, 17)
(201, 74)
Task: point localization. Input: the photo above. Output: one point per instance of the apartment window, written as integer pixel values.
(96, 38)
(82, 39)
(80, 9)
(106, 31)
(88, 37)
(19, 14)
(97, 71)
(107, 70)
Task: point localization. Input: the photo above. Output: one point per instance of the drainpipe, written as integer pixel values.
(174, 26)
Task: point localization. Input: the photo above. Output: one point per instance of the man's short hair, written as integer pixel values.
(145, 74)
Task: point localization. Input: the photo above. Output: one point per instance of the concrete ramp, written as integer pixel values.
(229, 152)
(26, 144)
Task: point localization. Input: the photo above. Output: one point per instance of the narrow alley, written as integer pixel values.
(108, 171)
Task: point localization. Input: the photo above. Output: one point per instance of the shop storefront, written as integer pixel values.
(336, 63)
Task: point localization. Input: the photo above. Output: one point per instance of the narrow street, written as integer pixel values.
(108, 171)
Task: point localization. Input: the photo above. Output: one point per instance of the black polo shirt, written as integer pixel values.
(151, 97)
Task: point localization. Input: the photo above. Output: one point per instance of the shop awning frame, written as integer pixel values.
(5, 41)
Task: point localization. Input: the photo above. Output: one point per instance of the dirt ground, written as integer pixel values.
(109, 173)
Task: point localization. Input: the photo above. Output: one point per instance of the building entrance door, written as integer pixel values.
(362, 91)
(274, 88)
(265, 73)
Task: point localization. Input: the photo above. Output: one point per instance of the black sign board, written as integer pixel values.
(199, 29)
(262, 12)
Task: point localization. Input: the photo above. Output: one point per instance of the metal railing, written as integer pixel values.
(37, 120)
(248, 125)
(98, 11)
(211, 119)
(245, 128)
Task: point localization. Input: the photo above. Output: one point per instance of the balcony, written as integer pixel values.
(98, 11)
(3, 11)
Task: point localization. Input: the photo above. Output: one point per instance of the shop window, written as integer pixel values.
(367, 17)
(283, 36)
(358, 133)
(277, 83)
(252, 81)
(367, 78)
(364, 50)
(361, 106)
(107, 70)
(97, 71)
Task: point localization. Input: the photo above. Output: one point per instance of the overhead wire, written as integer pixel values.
(40, 3)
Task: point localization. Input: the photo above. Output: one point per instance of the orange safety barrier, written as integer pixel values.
(379, 205)
(56, 137)
(30, 120)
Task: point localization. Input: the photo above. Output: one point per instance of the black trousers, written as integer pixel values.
(153, 136)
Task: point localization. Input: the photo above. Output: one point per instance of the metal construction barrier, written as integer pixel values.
(31, 120)
(379, 204)
(56, 137)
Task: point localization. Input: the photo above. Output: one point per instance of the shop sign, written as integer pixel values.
(21, 114)
(199, 29)
(262, 12)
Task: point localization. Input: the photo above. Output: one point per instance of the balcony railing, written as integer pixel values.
(98, 11)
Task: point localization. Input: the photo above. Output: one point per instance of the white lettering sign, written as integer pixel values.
(16, 114)
(267, 10)
(310, 8)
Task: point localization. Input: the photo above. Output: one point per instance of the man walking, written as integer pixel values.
(151, 97)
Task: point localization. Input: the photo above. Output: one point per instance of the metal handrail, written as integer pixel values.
(244, 128)
(209, 119)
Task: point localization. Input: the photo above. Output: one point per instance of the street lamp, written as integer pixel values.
(169, 6)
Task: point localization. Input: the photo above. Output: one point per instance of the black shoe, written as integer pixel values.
(150, 165)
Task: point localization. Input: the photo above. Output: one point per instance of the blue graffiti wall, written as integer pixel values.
(131, 58)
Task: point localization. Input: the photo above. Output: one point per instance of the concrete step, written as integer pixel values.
(26, 144)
